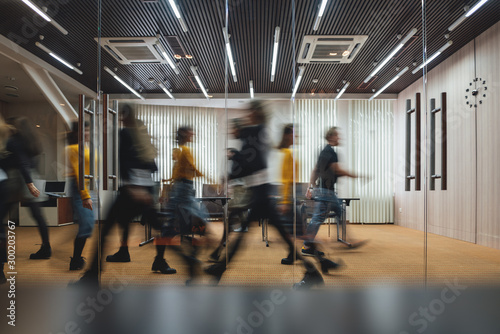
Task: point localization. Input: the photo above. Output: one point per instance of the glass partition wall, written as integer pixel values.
(409, 88)
(48, 67)
(462, 51)
(252, 144)
(165, 69)
(190, 71)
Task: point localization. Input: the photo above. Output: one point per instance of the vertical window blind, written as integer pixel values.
(371, 137)
(162, 123)
(367, 146)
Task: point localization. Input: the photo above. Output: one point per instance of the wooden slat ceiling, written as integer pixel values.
(251, 26)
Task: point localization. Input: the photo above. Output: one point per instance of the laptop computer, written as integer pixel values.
(55, 188)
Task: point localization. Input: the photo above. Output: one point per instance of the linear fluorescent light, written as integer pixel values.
(299, 78)
(389, 83)
(123, 83)
(251, 89)
(389, 57)
(47, 18)
(275, 52)
(431, 58)
(167, 58)
(320, 14)
(229, 54)
(475, 8)
(194, 69)
(457, 22)
(468, 13)
(174, 7)
(162, 86)
(44, 48)
(342, 91)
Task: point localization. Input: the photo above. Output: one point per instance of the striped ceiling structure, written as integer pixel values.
(251, 28)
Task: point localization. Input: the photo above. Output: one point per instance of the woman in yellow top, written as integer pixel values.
(80, 196)
(287, 178)
(184, 212)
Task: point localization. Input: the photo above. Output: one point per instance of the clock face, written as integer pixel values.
(476, 92)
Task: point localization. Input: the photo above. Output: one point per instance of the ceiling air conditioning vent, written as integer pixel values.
(133, 50)
(330, 49)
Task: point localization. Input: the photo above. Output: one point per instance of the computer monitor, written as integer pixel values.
(55, 186)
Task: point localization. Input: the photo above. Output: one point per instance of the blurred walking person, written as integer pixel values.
(25, 146)
(254, 153)
(135, 196)
(80, 195)
(184, 215)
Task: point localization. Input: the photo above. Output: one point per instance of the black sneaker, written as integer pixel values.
(121, 256)
(162, 266)
(326, 265)
(310, 279)
(77, 263)
(88, 280)
(311, 251)
(214, 257)
(216, 270)
(287, 260)
(43, 253)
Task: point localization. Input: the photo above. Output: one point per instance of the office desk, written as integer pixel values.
(147, 232)
(342, 225)
(57, 211)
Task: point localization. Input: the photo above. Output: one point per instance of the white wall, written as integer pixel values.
(468, 209)
(51, 134)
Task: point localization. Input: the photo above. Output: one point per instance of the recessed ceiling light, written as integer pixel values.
(346, 53)
(38, 125)
(62, 104)
(333, 53)
(177, 56)
(189, 57)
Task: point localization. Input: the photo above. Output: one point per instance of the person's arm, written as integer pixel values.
(190, 162)
(339, 171)
(312, 181)
(23, 164)
(73, 164)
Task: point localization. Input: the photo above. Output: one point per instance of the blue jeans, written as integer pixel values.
(83, 216)
(183, 210)
(326, 201)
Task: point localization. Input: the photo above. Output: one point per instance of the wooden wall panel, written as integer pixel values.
(451, 212)
(488, 139)
(469, 209)
(409, 205)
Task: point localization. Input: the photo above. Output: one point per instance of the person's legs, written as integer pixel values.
(85, 219)
(214, 256)
(321, 209)
(258, 195)
(124, 210)
(45, 251)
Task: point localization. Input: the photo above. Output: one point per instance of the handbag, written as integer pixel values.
(241, 198)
